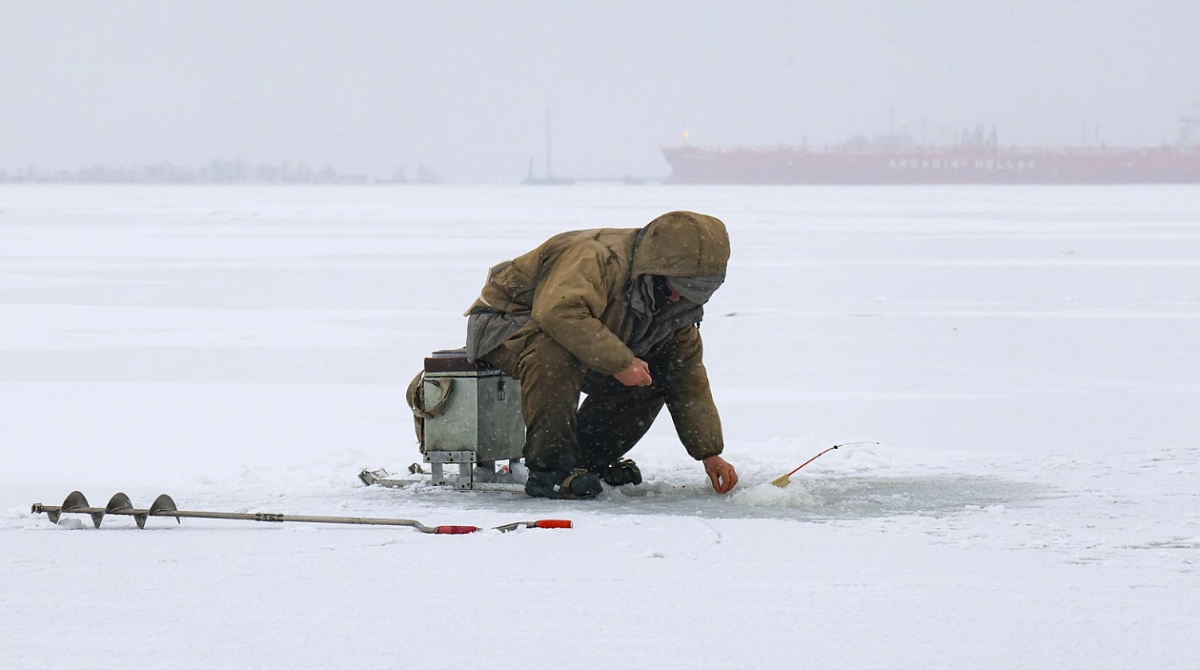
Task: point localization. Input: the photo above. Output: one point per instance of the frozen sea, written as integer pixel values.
(1027, 358)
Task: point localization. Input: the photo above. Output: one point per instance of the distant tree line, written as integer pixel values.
(214, 172)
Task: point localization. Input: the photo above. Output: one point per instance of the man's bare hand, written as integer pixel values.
(637, 374)
(721, 474)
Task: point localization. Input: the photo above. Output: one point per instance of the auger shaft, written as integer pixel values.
(120, 505)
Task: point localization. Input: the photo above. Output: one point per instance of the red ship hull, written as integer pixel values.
(933, 165)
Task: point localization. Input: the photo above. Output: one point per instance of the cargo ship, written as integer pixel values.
(975, 159)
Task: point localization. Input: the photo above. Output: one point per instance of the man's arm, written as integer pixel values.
(679, 369)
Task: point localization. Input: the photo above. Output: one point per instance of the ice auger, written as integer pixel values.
(163, 505)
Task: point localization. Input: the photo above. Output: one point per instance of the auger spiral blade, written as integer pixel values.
(76, 503)
(120, 504)
(162, 505)
(51, 514)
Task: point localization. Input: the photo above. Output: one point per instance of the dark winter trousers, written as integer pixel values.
(559, 433)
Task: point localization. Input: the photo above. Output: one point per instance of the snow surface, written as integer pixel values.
(1026, 356)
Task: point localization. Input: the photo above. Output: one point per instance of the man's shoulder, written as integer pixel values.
(607, 243)
(601, 235)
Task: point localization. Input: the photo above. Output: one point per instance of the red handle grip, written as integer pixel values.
(552, 523)
(455, 530)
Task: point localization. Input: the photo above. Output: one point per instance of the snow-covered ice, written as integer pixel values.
(1026, 357)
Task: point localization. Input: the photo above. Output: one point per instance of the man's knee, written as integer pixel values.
(503, 359)
(540, 358)
(543, 355)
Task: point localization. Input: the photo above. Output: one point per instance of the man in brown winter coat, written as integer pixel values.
(614, 313)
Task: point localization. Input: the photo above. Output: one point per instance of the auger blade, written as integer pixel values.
(76, 502)
(162, 506)
(118, 503)
(121, 504)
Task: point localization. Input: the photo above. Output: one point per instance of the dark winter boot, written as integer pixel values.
(574, 485)
(620, 473)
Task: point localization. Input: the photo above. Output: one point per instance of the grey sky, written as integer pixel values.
(463, 86)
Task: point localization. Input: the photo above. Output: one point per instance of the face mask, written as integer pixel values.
(697, 289)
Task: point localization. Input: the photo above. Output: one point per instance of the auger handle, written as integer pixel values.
(553, 523)
(455, 530)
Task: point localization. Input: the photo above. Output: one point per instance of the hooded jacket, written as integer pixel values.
(576, 288)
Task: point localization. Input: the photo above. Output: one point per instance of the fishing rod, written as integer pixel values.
(786, 479)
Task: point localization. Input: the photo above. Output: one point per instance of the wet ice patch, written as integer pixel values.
(795, 495)
(873, 497)
(648, 489)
